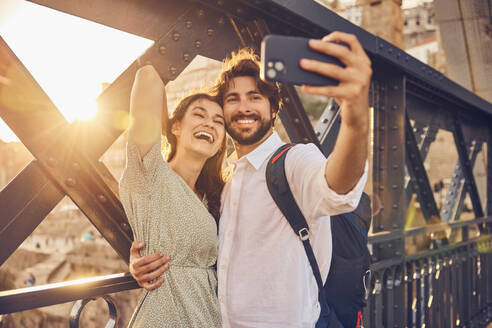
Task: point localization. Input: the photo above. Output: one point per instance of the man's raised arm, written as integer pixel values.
(347, 161)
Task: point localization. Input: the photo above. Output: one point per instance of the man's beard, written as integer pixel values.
(256, 136)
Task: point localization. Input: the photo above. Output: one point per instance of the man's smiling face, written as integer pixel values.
(247, 113)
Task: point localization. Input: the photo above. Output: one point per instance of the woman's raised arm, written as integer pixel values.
(148, 109)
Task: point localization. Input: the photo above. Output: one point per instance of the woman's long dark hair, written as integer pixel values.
(211, 180)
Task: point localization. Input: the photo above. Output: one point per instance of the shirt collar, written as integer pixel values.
(260, 153)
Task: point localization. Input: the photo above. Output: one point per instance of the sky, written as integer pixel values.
(68, 56)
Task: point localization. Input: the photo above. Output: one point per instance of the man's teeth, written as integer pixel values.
(205, 135)
(245, 121)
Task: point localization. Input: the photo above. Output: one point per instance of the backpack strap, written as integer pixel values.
(282, 195)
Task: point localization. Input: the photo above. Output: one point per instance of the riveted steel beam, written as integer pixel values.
(142, 18)
(25, 202)
(455, 196)
(424, 138)
(389, 158)
(328, 126)
(415, 166)
(467, 169)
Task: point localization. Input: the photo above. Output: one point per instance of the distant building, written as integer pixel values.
(419, 23)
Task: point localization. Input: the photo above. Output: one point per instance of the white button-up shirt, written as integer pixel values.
(264, 275)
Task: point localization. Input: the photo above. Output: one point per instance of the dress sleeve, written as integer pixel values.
(140, 173)
(305, 170)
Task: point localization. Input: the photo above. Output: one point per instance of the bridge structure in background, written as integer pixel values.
(447, 285)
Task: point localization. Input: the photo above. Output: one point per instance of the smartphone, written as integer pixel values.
(280, 57)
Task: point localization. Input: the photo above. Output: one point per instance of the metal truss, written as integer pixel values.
(411, 102)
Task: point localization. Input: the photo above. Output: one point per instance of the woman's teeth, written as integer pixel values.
(205, 136)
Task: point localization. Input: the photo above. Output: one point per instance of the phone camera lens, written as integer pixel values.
(279, 66)
(271, 73)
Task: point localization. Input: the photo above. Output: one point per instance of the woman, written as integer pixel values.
(165, 201)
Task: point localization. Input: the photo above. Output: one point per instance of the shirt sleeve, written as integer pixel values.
(305, 171)
(140, 173)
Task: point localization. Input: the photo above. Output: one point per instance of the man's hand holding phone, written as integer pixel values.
(352, 92)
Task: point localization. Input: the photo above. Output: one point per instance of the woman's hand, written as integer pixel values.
(147, 268)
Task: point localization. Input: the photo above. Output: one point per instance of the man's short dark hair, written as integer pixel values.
(245, 63)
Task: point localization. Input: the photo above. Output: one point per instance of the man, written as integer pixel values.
(265, 279)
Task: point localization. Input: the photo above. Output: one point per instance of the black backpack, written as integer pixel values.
(345, 292)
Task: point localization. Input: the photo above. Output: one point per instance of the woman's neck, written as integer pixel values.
(188, 167)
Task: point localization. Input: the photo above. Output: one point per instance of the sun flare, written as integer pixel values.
(69, 57)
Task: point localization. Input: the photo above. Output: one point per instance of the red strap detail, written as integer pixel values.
(278, 155)
(359, 319)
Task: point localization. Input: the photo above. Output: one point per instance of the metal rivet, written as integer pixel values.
(381, 168)
(172, 70)
(395, 166)
(186, 57)
(287, 100)
(394, 186)
(381, 148)
(175, 36)
(394, 147)
(296, 121)
(381, 128)
(394, 127)
(381, 187)
(305, 139)
(198, 44)
(394, 107)
(381, 227)
(220, 2)
(381, 46)
(395, 87)
(101, 198)
(188, 24)
(239, 10)
(395, 206)
(71, 182)
(390, 50)
(52, 162)
(210, 31)
(201, 13)
(125, 226)
(221, 20)
(162, 50)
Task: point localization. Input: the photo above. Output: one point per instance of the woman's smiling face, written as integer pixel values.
(201, 130)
